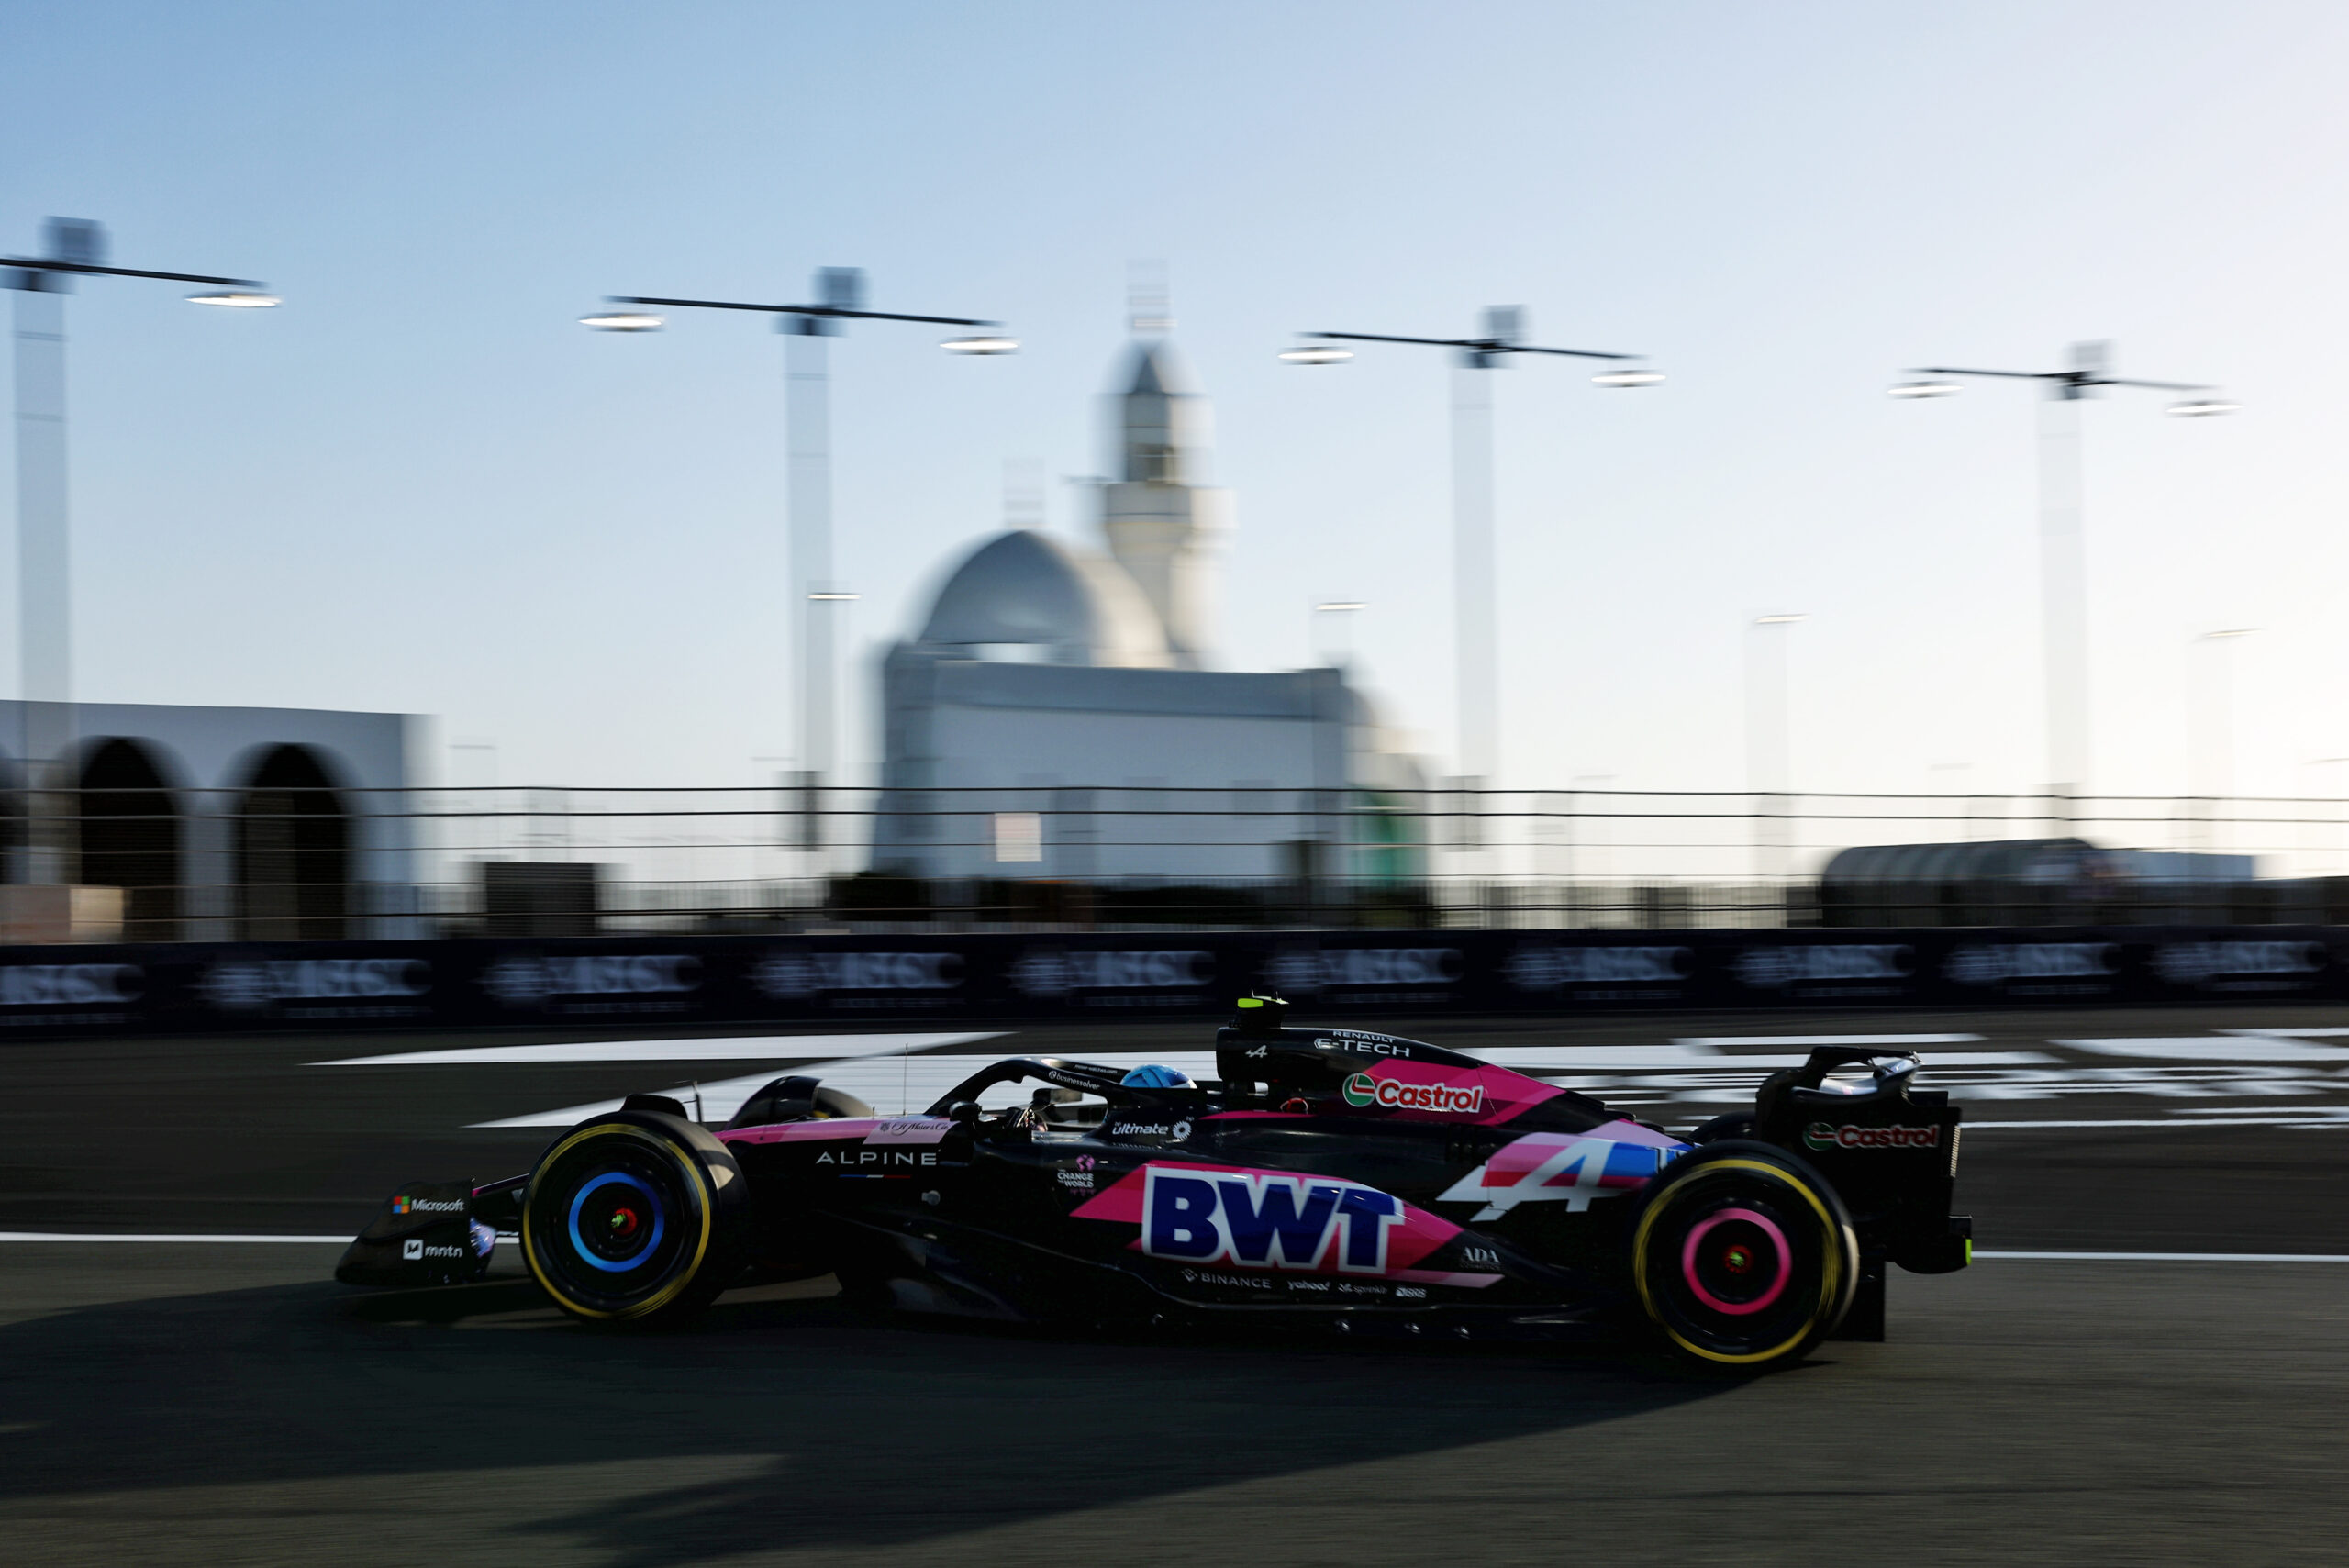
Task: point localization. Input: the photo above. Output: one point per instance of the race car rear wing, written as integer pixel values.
(1889, 1148)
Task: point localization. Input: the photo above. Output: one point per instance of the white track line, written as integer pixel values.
(745, 1048)
(1718, 1039)
(181, 1235)
(1606, 1058)
(2166, 1257)
(716, 1100)
(1682, 1054)
(2204, 1048)
(2306, 1119)
(897, 1085)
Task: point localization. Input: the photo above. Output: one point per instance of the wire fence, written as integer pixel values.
(320, 862)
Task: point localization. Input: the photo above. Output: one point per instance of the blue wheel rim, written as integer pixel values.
(579, 1243)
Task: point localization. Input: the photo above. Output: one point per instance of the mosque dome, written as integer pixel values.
(1025, 590)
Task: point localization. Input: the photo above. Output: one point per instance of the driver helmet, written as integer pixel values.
(1154, 1077)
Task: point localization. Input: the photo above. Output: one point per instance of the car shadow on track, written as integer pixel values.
(813, 1426)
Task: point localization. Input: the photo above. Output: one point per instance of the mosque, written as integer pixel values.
(1060, 715)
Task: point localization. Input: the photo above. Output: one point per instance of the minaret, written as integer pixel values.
(1164, 529)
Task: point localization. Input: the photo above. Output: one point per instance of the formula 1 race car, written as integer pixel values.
(1337, 1176)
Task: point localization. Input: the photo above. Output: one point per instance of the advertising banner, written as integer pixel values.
(838, 980)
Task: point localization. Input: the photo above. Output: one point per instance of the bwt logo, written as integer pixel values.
(1273, 1221)
(1301, 971)
(632, 974)
(1822, 961)
(244, 985)
(807, 974)
(1554, 968)
(69, 985)
(1994, 964)
(1054, 971)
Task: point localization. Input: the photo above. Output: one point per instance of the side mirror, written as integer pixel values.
(964, 1111)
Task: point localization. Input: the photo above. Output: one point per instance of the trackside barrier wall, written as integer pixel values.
(849, 980)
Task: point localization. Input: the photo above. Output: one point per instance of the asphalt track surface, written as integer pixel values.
(226, 1402)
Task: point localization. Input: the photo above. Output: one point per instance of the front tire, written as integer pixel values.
(635, 1218)
(1744, 1256)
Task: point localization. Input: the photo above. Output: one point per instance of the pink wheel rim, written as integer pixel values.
(1697, 1239)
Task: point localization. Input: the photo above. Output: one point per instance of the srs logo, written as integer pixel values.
(68, 985)
(246, 985)
(1308, 972)
(2198, 963)
(1995, 963)
(1301, 1223)
(1055, 972)
(1796, 963)
(520, 981)
(1545, 968)
(791, 974)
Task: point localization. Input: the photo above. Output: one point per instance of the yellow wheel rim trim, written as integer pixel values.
(1831, 1277)
(669, 1292)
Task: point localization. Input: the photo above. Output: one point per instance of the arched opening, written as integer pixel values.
(292, 851)
(129, 837)
(14, 837)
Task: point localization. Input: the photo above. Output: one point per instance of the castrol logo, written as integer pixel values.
(1394, 1095)
(1827, 1135)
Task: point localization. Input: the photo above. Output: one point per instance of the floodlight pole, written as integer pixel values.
(808, 421)
(2062, 547)
(1476, 585)
(44, 519)
(1476, 612)
(1769, 747)
(815, 597)
(2212, 770)
(2064, 601)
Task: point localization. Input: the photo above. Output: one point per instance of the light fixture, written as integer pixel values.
(1342, 605)
(2197, 408)
(981, 343)
(622, 321)
(1315, 354)
(235, 299)
(829, 598)
(1627, 378)
(1779, 620)
(2233, 631)
(1921, 389)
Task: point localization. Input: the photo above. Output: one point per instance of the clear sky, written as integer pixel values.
(420, 486)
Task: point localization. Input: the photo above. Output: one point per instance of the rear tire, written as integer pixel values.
(635, 1218)
(1744, 1256)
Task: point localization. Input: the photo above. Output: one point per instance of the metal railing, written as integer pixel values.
(544, 861)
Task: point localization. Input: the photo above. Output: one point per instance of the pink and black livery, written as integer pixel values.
(1334, 1177)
